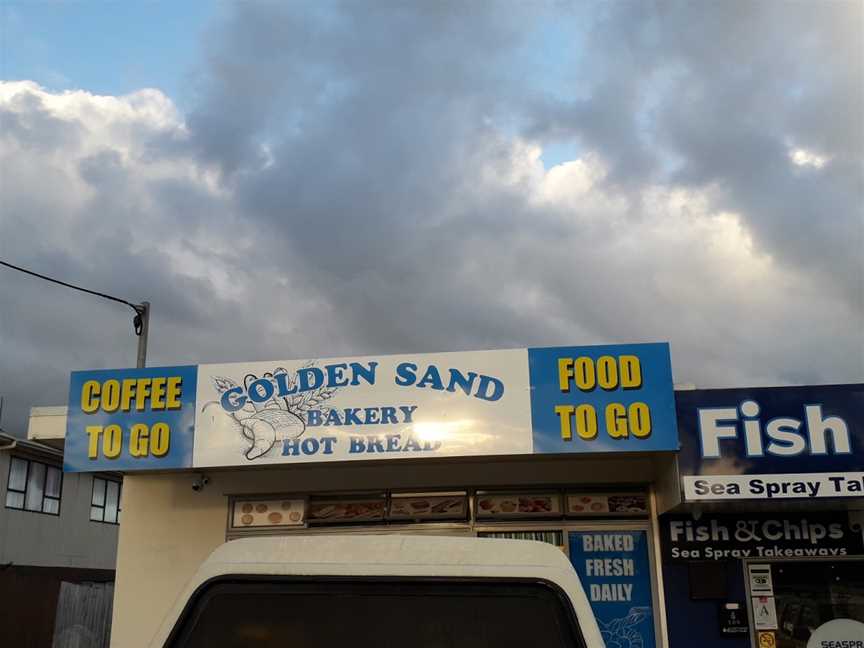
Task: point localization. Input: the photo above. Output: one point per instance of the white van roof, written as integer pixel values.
(391, 555)
(388, 550)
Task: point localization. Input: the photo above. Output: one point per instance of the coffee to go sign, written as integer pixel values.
(156, 394)
(594, 399)
(145, 416)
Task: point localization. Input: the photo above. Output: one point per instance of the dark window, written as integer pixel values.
(708, 580)
(810, 594)
(105, 502)
(376, 614)
(34, 486)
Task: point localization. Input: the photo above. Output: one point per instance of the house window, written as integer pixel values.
(105, 503)
(34, 486)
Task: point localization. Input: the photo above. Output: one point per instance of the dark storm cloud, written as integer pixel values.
(364, 177)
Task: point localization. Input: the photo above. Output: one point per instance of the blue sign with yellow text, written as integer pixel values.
(615, 398)
(131, 419)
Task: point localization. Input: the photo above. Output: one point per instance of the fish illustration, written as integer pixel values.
(278, 418)
(622, 633)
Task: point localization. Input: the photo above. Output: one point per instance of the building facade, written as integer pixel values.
(49, 535)
(575, 446)
(767, 548)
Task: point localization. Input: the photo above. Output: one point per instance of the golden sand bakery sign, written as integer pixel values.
(520, 401)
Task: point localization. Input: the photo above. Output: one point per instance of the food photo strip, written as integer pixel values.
(293, 511)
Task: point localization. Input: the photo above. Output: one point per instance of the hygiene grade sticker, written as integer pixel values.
(520, 401)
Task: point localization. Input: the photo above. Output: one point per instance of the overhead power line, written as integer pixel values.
(139, 309)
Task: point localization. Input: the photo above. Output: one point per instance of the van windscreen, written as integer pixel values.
(378, 614)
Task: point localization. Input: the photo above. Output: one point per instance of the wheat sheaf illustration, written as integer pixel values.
(278, 418)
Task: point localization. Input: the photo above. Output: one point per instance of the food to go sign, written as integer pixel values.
(607, 398)
(522, 401)
(608, 373)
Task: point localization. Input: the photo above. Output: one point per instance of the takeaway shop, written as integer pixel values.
(767, 548)
(566, 445)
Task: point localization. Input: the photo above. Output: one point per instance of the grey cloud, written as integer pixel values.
(734, 87)
(375, 192)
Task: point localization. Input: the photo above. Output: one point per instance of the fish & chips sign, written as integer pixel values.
(522, 401)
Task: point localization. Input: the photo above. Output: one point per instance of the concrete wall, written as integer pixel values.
(47, 425)
(67, 540)
(168, 529)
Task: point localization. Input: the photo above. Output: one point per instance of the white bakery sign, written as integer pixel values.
(267, 413)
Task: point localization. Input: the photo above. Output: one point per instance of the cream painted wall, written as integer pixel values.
(168, 529)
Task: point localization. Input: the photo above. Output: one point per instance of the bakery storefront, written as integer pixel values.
(574, 446)
(767, 549)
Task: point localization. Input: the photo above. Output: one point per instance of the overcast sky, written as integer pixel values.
(310, 179)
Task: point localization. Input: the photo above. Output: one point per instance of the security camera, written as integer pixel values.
(200, 482)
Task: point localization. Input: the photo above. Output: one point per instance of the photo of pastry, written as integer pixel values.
(527, 505)
(636, 503)
(347, 511)
(281, 512)
(587, 504)
(607, 504)
(428, 507)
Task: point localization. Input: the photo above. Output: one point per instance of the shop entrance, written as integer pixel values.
(806, 604)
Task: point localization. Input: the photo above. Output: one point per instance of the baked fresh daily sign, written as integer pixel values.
(772, 442)
(615, 571)
(551, 400)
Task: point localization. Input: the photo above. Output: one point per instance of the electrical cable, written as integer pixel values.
(138, 308)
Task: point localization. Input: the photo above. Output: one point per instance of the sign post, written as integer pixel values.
(143, 316)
